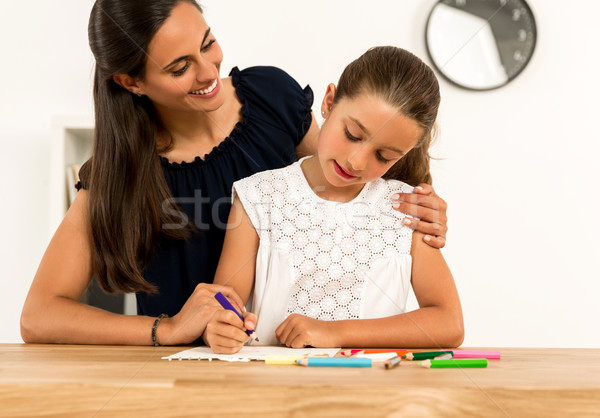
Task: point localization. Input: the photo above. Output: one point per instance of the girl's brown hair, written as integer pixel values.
(407, 83)
(127, 188)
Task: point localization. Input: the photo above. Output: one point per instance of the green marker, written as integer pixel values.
(453, 363)
(425, 355)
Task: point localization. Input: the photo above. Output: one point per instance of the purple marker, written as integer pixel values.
(225, 304)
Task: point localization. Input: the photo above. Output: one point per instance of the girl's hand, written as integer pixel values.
(191, 321)
(431, 211)
(226, 333)
(299, 331)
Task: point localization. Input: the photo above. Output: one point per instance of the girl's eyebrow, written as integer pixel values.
(176, 60)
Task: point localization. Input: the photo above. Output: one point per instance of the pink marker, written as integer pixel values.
(476, 354)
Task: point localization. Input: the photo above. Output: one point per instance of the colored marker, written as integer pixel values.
(376, 356)
(335, 362)
(349, 353)
(476, 354)
(393, 362)
(282, 359)
(443, 364)
(425, 355)
(446, 356)
(225, 304)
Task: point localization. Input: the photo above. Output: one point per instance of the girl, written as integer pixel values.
(322, 257)
(171, 137)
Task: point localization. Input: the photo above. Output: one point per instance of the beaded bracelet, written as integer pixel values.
(155, 326)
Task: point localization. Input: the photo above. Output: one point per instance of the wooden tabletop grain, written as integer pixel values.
(99, 381)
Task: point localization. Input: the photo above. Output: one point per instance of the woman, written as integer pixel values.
(171, 137)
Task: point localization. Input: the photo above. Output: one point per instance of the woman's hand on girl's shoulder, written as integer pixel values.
(298, 331)
(426, 205)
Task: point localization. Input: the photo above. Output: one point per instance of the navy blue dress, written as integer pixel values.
(276, 114)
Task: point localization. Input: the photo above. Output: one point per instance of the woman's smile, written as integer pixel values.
(209, 91)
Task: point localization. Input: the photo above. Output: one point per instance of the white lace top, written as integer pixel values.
(323, 259)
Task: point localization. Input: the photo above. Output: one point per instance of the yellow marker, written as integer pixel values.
(291, 360)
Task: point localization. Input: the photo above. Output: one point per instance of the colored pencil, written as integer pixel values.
(335, 362)
(443, 364)
(476, 354)
(349, 353)
(225, 304)
(391, 363)
(424, 355)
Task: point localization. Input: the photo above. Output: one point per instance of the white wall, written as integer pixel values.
(518, 170)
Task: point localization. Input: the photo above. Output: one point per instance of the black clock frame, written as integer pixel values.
(524, 4)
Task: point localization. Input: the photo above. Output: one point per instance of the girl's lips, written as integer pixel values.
(341, 172)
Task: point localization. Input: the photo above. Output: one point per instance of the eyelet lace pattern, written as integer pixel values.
(333, 245)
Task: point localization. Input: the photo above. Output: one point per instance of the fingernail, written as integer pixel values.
(396, 196)
(427, 238)
(244, 309)
(406, 221)
(249, 324)
(396, 205)
(419, 188)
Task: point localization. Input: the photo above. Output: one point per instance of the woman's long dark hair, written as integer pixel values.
(407, 83)
(127, 188)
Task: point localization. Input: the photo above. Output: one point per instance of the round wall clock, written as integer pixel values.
(480, 44)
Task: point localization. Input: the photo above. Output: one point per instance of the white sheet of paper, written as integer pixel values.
(248, 353)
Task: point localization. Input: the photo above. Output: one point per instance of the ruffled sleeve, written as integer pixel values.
(277, 98)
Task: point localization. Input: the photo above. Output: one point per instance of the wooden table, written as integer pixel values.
(61, 380)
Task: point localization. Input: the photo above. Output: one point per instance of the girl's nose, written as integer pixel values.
(358, 158)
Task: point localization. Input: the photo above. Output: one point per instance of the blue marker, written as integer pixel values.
(335, 362)
(225, 304)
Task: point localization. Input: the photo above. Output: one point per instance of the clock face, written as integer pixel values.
(480, 44)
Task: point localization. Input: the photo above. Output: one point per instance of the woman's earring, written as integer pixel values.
(323, 113)
(139, 94)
